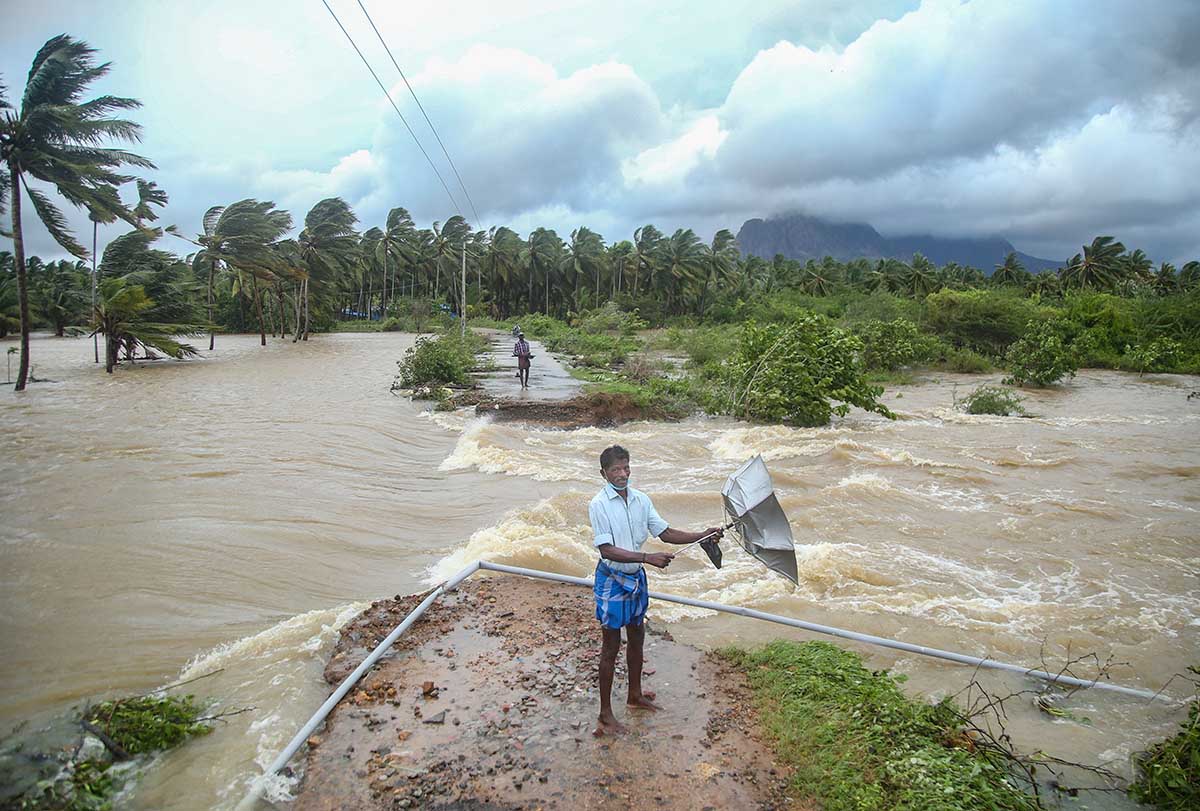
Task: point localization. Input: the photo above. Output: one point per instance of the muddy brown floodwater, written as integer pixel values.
(236, 511)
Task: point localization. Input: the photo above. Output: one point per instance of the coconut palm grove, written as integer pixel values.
(245, 268)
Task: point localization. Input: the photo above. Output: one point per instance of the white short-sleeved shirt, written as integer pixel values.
(624, 523)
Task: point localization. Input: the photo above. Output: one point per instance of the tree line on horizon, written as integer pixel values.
(243, 272)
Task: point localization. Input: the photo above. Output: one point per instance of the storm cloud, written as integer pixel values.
(1043, 123)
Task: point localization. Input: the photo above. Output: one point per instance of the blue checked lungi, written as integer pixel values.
(621, 599)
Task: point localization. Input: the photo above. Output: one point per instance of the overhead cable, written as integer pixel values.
(394, 107)
(422, 109)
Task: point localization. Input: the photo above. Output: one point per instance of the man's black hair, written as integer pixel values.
(613, 454)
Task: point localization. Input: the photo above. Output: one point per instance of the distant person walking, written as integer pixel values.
(523, 355)
(516, 332)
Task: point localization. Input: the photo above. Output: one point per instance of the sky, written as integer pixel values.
(1046, 123)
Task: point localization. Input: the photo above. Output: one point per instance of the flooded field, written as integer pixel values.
(233, 512)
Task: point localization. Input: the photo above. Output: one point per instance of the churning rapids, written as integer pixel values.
(232, 512)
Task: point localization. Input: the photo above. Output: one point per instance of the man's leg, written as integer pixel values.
(610, 647)
(634, 656)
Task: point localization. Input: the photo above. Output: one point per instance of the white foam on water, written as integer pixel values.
(277, 672)
(543, 536)
(777, 442)
(477, 449)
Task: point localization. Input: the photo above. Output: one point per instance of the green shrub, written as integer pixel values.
(965, 361)
(794, 372)
(986, 321)
(991, 400)
(704, 346)
(1039, 358)
(1156, 356)
(889, 345)
(857, 743)
(1169, 773)
(438, 361)
(881, 306)
(609, 318)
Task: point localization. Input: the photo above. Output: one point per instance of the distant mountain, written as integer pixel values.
(800, 237)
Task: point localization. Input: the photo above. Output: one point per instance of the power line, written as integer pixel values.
(394, 107)
(422, 109)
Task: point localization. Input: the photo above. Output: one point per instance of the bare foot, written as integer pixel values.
(608, 726)
(643, 702)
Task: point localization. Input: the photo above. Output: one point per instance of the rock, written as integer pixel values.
(440, 718)
(314, 741)
(428, 688)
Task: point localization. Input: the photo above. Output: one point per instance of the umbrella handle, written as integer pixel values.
(701, 540)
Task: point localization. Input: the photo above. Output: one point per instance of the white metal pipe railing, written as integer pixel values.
(349, 682)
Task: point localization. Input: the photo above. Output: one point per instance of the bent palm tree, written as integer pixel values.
(328, 247)
(56, 139)
(237, 236)
(1096, 267)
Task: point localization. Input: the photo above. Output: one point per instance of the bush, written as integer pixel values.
(991, 400)
(965, 361)
(881, 306)
(794, 372)
(1039, 358)
(888, 345)
(438, 361)
(986, 321)
(1169, 773)
(609, 318)
(1158, 355)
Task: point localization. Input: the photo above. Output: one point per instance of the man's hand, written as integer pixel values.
(714, 533)
(659, 559)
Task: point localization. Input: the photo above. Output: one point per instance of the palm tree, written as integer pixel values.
(583, 259)
(328, 246)
(398, 246)
(1165, 281)
(647, 253)
(1189, 275)
(239, 236)
(1137, 266)
(58, 294)
(56, 139)
(1012, 272)
(683, 264)
(919, 278)
(503, 260)
(1096, 267)
(720, 264)
(448, 242)
(149, 194)
(146, 299)
(1045, 285)
(542, 251)
(620, 254)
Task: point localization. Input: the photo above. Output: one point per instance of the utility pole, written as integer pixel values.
(95, 336)
(463, 312)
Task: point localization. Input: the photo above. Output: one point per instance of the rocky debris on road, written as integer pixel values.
(491, 702)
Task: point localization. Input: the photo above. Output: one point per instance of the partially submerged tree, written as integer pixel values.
(56, 139)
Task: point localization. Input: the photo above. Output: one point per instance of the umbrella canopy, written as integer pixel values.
(761, 527)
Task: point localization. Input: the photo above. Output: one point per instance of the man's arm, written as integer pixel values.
(616, 554)
(679, 536)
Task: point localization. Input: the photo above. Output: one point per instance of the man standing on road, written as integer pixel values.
(622, 518)
(522, 354)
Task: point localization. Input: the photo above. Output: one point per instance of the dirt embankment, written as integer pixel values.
(598, 410)
(489, 703)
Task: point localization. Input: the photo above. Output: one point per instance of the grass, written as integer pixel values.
(856, 742)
